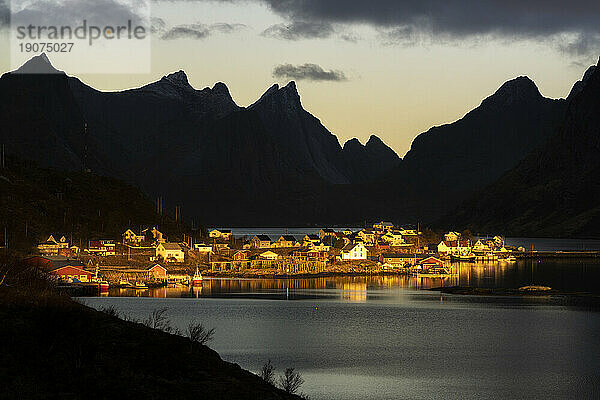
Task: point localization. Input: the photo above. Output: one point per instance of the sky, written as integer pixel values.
(385, 67)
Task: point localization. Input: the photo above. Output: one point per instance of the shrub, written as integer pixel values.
(267, 373)
(198, 334)
(291, 380)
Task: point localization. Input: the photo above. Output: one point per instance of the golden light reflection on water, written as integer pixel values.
(348, 288)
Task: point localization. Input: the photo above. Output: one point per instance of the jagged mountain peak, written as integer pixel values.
(352, 143)
(515, 91)
(374, 140)
(287, 96)
(178, 78)
(38, 65)
(220, 88)
(579, 85)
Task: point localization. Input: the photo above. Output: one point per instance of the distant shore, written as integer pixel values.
(555, 297)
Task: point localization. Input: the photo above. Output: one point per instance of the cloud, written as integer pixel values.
(350, 37)
(311, 72)
(421, 21)
(223, 27)
(158, 25)
(4, 14)
(73, 12)
(193, 31)
(299, 30)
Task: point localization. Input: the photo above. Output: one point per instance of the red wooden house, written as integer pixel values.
(242, 255)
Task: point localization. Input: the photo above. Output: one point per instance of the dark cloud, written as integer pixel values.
(311, 72)
(193, 31)
(300, 30)
(458, 17)
(406, 20)
(4, 14)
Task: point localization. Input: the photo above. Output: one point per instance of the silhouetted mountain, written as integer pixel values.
(578, 86)
(555, 190)
(365, 163)
(270, 163)
(450, 162)
(40, 118)
(312, 145)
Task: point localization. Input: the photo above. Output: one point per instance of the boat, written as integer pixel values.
(463, 257)
(125, 284)
(140, 286)
(434, 272)
(197, 278)
(103, 285)
(511, 259)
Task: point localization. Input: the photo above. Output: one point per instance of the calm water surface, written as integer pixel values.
(384, 338)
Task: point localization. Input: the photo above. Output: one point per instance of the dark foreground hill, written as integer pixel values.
(555, 190)
(54, 348)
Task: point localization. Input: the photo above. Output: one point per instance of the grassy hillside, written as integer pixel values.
(54, 348)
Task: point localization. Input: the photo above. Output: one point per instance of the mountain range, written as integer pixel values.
(555, 190)
(271, 163)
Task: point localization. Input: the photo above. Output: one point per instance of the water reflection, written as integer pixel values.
(578, 275)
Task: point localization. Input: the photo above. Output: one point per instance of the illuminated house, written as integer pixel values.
(130, 236)
(356, 251)
(172, 252)
(52, 246)
(102, 247)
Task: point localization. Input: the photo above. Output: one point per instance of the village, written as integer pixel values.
(149, 259)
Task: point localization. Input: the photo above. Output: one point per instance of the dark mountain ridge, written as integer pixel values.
(555, 190)
(271, 163)
(450, 162)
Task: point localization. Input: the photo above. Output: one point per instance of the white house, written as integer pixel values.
(356, 251)
(457, 247)
(170, 252)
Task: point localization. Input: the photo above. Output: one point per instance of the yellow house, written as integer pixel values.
(269, 255)
(129, 236)
(170, 252)
(220, 234)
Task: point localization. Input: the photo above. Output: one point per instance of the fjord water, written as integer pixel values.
(384, 338)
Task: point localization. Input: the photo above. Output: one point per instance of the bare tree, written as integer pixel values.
(291, 380)
(111, 310)
(198, 334)
(158, 320)
(267, 373)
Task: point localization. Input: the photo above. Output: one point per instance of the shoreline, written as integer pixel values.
(557, 297)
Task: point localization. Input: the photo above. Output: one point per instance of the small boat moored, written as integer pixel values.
(197, 278)
(463, 257)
